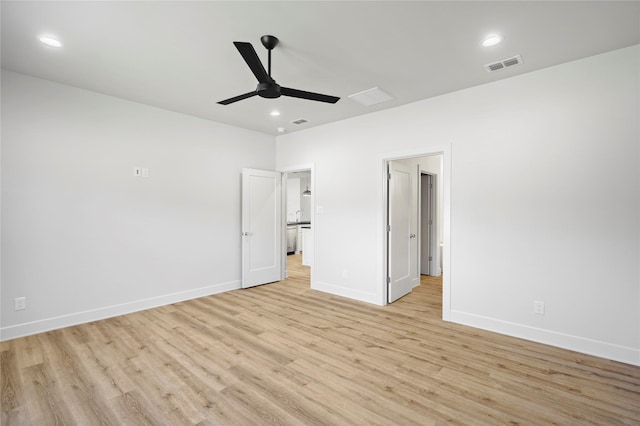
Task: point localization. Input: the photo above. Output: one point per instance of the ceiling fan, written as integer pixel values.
(267, 86)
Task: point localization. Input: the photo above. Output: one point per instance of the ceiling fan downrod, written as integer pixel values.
(269, 42)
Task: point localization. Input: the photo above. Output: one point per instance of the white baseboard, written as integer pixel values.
(48, 324)
(362, 296)
(579, 344)
(575, 343)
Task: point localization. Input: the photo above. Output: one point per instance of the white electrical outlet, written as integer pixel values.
(145, 172)
(345, 274)
(319, 210)
(20, 303)
(538, 307)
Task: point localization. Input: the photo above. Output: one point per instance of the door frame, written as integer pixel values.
(445, 151)
(312, 186)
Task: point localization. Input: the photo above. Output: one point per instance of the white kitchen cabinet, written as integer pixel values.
(299, 241)
(307, 246)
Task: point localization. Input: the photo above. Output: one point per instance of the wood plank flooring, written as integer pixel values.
(283, 354)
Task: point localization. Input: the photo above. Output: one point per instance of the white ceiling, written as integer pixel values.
(179, 55)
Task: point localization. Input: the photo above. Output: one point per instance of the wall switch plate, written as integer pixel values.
(538, 307)
(20, 303)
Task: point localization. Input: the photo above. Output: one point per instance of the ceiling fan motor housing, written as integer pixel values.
(269, 90)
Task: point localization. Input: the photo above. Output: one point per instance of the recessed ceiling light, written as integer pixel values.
(50, 41)
(281, 129)
(492, 40)
(274, 113)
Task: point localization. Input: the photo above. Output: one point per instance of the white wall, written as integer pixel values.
(81, 237)
(305, 202)
(298, 206)
(545, 179)
(293, 199)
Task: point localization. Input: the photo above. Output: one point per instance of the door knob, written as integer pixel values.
(246, 234)
(412, 235)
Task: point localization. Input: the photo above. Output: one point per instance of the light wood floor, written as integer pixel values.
(283, 354)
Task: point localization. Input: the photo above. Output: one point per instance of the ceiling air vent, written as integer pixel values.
(300, 121)
(505, 63)
(371, 97)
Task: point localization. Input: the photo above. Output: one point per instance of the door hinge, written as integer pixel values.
(388, 280)
(388, 228)
(430, 258)
(430, 185)
(388, 176)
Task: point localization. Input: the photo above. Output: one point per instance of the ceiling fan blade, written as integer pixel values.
(238, 98)
(251, 58)
(295, 93)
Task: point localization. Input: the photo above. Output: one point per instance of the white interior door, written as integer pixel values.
(400, 237)
(261, 227)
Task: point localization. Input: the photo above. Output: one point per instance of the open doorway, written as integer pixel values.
(430, 212)
(416, 222)
(298, 211)
(428, 235)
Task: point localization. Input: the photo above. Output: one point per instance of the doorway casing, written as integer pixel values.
(445, 151)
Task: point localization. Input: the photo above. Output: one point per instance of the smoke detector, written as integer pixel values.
(504, 63)
(300, 121)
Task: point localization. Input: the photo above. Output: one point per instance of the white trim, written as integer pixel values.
(54, 323)
(446, 234)
(566, 341)
(445, 151)
(362, 296)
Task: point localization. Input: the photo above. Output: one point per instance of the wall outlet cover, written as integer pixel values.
(20, 303)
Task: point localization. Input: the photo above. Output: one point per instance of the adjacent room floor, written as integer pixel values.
(284, 354)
